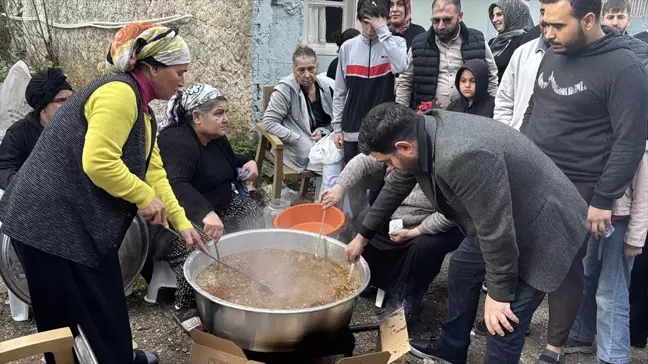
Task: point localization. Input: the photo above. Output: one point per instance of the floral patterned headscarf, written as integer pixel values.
(153, 43)
(402, 28)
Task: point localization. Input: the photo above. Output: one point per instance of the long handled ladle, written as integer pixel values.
(319, 240)
(260, 282)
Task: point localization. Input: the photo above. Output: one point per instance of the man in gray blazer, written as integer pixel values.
(524, 221)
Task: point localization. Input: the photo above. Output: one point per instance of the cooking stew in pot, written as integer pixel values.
(299, 279)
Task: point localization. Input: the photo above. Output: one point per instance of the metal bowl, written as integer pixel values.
(132, 256)
(270, 330)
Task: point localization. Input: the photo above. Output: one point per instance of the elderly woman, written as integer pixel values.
(400, 21)
(46, 92)
(201, 165)
(512, 19)
(96, 164)
(299, 113)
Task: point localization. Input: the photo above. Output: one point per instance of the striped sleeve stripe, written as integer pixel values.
(368, 72)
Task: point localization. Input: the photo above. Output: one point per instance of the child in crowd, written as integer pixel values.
(472, 83)
(365, 78)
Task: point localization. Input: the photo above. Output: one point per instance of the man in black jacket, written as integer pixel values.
(588, 114)
(436, 56)
(616, 14)
(46, 92)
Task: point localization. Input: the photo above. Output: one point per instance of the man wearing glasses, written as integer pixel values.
(46, 92)
(437, 55)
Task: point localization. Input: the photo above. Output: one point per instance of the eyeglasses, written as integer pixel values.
(446, 21)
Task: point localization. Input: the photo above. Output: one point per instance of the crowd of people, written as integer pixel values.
(524, 156)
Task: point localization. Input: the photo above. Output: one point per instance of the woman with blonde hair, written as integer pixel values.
(95, 166)
(300, 112)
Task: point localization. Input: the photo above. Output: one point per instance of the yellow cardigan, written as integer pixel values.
(111, 112)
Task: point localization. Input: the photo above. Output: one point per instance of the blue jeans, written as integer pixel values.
(605, 309)
(465, 277)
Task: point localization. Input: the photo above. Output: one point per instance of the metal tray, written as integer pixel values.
(132, 257)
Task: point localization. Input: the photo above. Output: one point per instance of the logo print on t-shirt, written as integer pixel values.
(563, 91)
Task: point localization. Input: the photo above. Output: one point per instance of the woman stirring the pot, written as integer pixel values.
(95, 165)
(201, 165)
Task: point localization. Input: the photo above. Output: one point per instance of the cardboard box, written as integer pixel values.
(392, 345)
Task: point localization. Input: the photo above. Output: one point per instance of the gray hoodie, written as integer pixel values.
(288, 117)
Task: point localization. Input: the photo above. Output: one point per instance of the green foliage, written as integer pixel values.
(244, 143)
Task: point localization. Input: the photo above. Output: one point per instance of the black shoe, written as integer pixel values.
(480, 329)
(549, 357)
(573, 347)
(143, 357)
(428, 348)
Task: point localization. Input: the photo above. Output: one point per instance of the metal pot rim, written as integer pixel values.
(362, 262)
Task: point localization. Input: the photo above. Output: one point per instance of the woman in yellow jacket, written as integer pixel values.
(95, 166)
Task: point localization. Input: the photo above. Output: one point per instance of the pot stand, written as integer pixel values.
(311, 348)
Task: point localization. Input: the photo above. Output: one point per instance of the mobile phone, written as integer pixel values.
(609, 231)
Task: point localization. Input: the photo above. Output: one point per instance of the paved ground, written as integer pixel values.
(154, 328)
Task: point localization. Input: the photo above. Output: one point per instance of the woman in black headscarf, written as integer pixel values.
(512, 19)
(46, 92)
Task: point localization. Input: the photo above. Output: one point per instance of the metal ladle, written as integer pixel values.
(260, 282)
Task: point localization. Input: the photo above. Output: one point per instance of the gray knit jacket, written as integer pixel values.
(416, 210)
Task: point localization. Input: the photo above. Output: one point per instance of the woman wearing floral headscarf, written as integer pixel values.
(201, 165)
(400, 21)
(95, 166)
(512, 19)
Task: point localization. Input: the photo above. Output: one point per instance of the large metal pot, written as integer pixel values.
(266, 330)
(132, 256)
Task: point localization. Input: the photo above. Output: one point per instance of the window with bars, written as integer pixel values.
(324, 19)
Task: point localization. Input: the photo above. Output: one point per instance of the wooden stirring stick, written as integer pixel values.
(319, 240)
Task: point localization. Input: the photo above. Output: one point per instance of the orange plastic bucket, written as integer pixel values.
(308, 217)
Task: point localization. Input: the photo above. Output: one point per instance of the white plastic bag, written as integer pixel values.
(13, 105)
(325, 151)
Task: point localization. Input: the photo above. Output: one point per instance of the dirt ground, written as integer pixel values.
(154, 328)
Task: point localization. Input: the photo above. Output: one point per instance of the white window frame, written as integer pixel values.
(348, 21)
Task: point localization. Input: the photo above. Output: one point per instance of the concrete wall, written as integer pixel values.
(277, 28)
(219, 37)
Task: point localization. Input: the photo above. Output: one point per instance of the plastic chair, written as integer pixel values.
(163, 276)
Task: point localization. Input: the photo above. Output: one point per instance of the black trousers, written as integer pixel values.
(67, 294)
(564, 302)
(405, 270)
(639, 300)
(465, 276)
